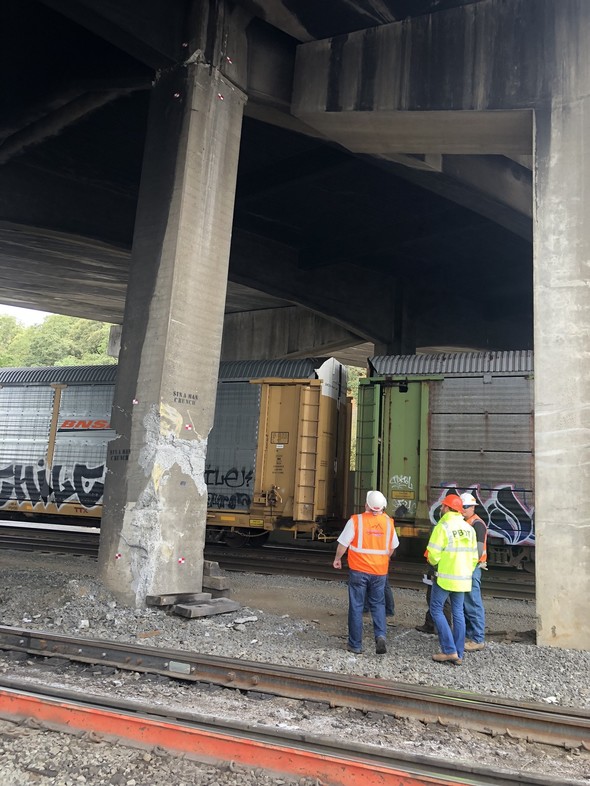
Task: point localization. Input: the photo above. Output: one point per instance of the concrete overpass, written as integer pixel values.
(381, 155)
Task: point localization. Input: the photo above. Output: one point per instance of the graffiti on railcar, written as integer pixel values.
(57, 485)
(507, 516)
(228, 488)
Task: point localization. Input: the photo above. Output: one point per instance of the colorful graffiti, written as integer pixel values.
(500, 507)
(58, 484)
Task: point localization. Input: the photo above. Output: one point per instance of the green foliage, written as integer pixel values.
(354, 373)
(56, 341)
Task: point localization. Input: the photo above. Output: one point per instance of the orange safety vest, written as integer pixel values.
(470, 520)
(372, 543)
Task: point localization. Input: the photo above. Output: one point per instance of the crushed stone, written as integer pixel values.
(299, 622)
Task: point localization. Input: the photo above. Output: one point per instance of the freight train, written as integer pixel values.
(278, 454)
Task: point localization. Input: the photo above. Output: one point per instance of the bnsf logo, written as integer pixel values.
(83, 425)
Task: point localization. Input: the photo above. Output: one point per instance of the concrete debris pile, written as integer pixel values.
(200, 604)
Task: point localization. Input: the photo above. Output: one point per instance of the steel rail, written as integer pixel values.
(274, 561)
(295, 753)
(561, 726)
(403, 575)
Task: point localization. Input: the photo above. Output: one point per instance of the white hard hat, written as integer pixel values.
(468, 500)
(376, 501)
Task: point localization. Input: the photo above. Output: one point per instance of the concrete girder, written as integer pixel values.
(493, 186)
(153, 32)
(281, 333)
(57, 120)
(333, 291)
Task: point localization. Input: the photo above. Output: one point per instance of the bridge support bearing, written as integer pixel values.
(153, 527)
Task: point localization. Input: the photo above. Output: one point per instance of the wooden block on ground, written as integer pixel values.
(215, 582)
(211, 568)
(225, 593)
(183, 597)
(215, 606)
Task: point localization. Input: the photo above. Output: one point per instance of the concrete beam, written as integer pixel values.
(333, 291)
(492, 186)
(153, 32)
(476, 58)
(281, 333)
(385, 132)
(57, 120)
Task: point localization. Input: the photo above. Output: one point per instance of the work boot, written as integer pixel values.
(440, 657)
(354, 652)
(474, 646)
(425, 628)
(380, 646)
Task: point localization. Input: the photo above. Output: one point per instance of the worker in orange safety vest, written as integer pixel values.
(370, 539)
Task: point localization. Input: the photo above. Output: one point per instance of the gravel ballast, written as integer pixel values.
(290, 621)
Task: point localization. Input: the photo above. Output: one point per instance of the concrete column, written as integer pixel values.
(153, 526)
(562, 373)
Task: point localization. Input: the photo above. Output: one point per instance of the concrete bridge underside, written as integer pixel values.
(375, 167)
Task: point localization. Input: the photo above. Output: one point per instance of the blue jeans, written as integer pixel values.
(389, 602)
(475, 616)
(450, 640)
(361, 586)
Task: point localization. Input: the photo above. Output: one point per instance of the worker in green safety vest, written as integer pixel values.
(452, 550)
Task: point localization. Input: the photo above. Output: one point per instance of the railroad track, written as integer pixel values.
(310, 563)
(569, 728)
(271, 560)
(276, 749)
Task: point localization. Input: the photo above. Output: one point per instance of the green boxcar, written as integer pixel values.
(429, 424)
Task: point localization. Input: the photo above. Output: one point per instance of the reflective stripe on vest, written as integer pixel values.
(453, 544)
(484, 555)
(369, 550)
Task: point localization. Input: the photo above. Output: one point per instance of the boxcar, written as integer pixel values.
(433, 423)
(277, 454)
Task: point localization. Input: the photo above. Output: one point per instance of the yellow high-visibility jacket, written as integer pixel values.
(452, 549)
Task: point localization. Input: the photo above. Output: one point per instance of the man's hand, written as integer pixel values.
(337, 563)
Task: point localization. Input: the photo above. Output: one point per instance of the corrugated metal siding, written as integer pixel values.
(462, 396)
(231, 450)
(481, 434)
(67, 375)
(25, 420)
(87, 446)
(298, 368)
(469, 469)
(459, 363)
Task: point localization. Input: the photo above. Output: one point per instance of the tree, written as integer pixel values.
(11, 339)
(56, 341)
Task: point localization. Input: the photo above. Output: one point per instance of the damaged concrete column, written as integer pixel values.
(562, 370)
(153, 528)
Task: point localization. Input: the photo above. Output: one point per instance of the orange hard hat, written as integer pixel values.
(453, 501)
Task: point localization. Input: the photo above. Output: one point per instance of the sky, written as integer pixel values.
(25, 315)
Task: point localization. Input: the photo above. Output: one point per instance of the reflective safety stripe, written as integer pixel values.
(452, 577)
(359, 549)
(460, 548)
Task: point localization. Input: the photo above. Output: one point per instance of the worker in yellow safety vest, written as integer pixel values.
(371, 539)
(452, 549)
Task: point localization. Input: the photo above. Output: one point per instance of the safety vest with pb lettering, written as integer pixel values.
(373, 541)
(452, 549)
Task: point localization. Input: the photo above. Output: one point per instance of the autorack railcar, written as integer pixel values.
(277, 454)
(463, 421)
